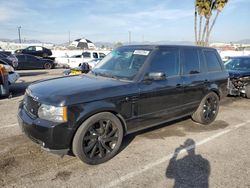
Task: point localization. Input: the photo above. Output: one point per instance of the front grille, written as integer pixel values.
(31, 105)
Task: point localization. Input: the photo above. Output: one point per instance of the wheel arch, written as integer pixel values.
(89, 111)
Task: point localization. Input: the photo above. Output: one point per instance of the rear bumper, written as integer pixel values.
(53, 137)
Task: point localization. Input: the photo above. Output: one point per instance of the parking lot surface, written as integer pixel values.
(180, 153)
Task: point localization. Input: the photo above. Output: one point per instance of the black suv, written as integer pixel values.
(133, 88)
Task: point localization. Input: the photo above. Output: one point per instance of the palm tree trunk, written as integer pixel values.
(200, 26)
(211, 28)
(195, 27)
(204, 32)
(207, 31)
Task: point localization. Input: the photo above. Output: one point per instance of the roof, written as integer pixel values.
(164, 46)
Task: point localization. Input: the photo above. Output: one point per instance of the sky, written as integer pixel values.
(111, 20)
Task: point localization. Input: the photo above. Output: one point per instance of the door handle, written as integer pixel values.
(206, 82)
(179, 85)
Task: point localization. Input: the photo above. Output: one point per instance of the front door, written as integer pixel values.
(160, 100)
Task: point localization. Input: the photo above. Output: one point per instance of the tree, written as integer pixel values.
(205, 8)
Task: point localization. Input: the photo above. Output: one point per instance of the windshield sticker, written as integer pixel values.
(141, 52)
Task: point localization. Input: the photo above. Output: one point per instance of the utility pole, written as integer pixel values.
(19, 33)
(129, 37)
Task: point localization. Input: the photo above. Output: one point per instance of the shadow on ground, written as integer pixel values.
(28, 73)
(190, 171)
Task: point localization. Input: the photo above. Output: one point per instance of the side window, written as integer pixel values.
(31, 48)
(190, 59)
(86, 54)
(102, 55)
(95, 55)
(38, 48)
(213, 64)
(166, 60)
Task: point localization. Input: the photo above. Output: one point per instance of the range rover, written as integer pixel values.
(132, 88)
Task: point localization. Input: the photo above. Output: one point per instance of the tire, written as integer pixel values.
(207, 110)
(47, 66)
(248, 91)
(93, 144)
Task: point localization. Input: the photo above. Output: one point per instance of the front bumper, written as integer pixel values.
(53, 137)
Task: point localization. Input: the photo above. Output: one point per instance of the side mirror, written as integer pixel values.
(152, 76)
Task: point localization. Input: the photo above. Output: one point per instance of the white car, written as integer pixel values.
(75, 60)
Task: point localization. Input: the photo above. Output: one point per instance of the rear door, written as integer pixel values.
(194, 78)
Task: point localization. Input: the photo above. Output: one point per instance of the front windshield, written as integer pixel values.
(122, 63)
(242, 64)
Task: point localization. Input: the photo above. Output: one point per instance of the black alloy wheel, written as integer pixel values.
(210, 108)
(207, 110)
(98, 139)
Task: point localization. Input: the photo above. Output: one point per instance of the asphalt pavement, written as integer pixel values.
(178, 154)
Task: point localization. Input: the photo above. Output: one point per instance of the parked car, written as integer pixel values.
(239, 76)
(36, 51)
(32, 62)
(13, 76)
(75, 60)
(132, 88)
(4, 86)
(10, 59)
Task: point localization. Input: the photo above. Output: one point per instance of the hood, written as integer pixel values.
(238, 73)
(76, 89)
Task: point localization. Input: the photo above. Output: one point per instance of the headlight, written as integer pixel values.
(52, 113)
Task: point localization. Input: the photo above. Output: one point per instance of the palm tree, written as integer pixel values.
(205, 8)
(198, 11)
(219, 6)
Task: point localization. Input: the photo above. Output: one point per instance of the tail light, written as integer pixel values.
(3, 73)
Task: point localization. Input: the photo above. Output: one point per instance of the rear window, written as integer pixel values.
(191, 63)
(213, 63)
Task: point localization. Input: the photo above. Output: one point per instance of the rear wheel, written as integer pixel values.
(47, 66)
(98, 139)
(207, 110)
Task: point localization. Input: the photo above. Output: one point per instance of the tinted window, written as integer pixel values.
(86, 54)
(102, 55)
(166, 60)
(191, 64)
(238, 64)
(95, 55)
(212, 61)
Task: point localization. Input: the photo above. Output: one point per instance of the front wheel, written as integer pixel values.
(98, 139)
(207, 110)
